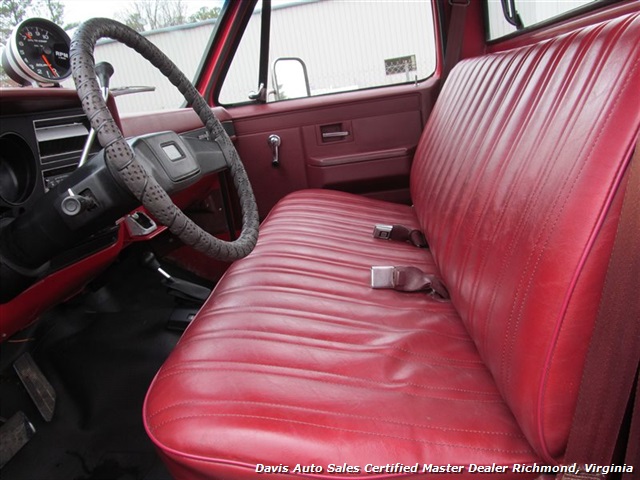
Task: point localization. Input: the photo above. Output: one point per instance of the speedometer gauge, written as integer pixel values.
(37, 51)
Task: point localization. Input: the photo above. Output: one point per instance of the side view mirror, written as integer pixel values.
(290, 79)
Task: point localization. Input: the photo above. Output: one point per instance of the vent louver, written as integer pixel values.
(61, 139)
(60, 144)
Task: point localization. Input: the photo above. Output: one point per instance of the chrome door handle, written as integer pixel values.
(335, 134)
(274, 142)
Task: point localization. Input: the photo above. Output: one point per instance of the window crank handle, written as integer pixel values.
(274, 143)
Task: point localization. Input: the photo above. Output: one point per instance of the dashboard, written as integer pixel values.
(37, 152)
(65, 211)
(43, 132)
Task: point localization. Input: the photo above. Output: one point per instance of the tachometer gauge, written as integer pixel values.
(37, 51)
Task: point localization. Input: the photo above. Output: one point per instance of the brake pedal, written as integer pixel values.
(38, 387)
(14, 434)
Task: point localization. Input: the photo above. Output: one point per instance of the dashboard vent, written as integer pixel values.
(61, 139)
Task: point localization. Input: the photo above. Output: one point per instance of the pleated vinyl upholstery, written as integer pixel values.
(513, 208)
(295, 359)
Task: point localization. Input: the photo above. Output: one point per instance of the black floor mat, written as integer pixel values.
(101, 364)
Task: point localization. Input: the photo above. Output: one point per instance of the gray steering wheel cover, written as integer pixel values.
(121, 158)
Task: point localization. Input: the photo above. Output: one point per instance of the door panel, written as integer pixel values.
(369, 72)
(361, 142)
(272, 183)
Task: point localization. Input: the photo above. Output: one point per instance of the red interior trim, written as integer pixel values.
(59, 286)
(216, 55)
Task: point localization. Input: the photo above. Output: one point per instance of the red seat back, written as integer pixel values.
(515, 186)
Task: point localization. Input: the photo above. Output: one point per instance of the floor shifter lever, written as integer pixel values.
(178, 287)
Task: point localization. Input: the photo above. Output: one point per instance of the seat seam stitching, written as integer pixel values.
(421, 355)
(261, 417)
(180, 369)
(341, 414)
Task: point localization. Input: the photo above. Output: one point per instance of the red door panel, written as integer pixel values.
(360, 142)
(271, 183)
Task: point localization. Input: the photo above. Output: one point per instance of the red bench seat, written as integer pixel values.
(295, 359)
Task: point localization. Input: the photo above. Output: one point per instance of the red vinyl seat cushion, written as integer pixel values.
(295, 358)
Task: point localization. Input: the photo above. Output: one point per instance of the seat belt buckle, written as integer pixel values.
(382, 231)
(382, 277)
(400, 233)
(408, 279)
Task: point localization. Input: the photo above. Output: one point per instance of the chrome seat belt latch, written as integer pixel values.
(382, 277)
(408, 279)
(382, 231)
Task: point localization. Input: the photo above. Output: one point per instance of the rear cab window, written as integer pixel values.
(506, 17)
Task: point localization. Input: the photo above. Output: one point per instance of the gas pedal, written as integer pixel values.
(38, 387)
(14, 434)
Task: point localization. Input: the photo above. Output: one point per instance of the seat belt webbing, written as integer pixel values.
(455, 35)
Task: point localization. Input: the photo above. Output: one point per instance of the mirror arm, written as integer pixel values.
(260, 96)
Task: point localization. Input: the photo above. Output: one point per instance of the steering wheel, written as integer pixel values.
(122, 160)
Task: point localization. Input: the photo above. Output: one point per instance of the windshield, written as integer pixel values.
(170, 25)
